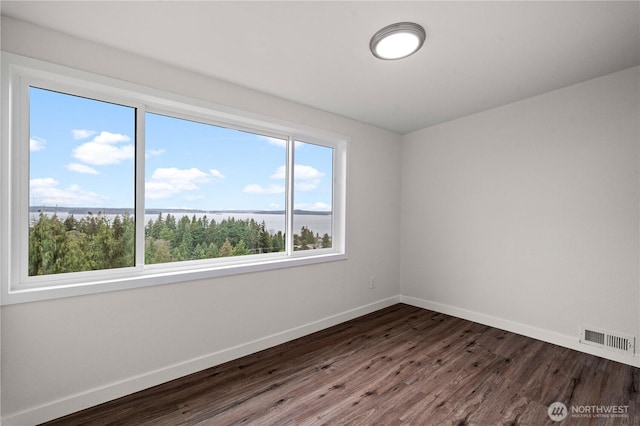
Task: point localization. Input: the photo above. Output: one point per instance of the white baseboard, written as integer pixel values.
(564, 340)
(73, 403)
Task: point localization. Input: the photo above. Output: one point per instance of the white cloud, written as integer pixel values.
(101, 150)
(166, 182)
(187, 178)
(318, 207)
(258, 189)
(300, 172)
(306, 185)
(46, 191)
(216, 173)
(280, 173)
(108, 137)
(42, 183)
(82, 133)
(36, 144)
(82, 168)
(306, 178)
(154, 190)
(99, 154)
(282, 143)
(155, 152)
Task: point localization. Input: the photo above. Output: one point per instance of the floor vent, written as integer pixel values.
(607, 340)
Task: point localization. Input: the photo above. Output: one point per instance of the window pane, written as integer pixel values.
(81, 184)
(313, 195)
(211, 191)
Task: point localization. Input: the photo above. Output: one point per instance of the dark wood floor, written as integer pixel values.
(398, 366)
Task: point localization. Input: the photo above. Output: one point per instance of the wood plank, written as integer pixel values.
(401, 365)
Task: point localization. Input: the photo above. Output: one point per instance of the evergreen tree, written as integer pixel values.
(102, 245)
(240, 249)
(96, 243)
(47, 246)
(265, 240)
(226, 249)
(212, 251)
(278, 242)
(171, 222)
(163, 252)
(148, 228)
(76, 259)
(149, 251)
(70, 223)
(199, 252)
(198, 232)
(117, 244)
(129, 239)
(157, 227)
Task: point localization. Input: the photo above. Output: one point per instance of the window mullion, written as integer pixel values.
(139, 191)
(289, 202)
(20, 220)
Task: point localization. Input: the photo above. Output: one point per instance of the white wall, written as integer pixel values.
(60, 355)
(527, 216)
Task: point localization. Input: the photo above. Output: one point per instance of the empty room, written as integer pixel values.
(319, 213)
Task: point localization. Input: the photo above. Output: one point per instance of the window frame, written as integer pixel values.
(20, 73)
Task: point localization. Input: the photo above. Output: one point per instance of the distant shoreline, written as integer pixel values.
(121, 211)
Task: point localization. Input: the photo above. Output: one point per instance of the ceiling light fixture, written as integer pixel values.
(397, 41)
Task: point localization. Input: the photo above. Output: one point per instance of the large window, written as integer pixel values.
(115, 188)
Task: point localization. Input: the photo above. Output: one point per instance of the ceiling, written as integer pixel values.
(478, 55)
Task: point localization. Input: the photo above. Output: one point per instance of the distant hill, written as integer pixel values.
(83, 211)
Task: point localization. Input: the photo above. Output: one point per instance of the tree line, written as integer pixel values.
(95, 242)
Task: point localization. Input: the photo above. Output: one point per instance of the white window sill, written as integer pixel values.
(156, 276)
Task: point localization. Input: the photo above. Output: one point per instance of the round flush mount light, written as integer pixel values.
(397, 41)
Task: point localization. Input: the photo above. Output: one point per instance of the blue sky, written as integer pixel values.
(82, 154)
